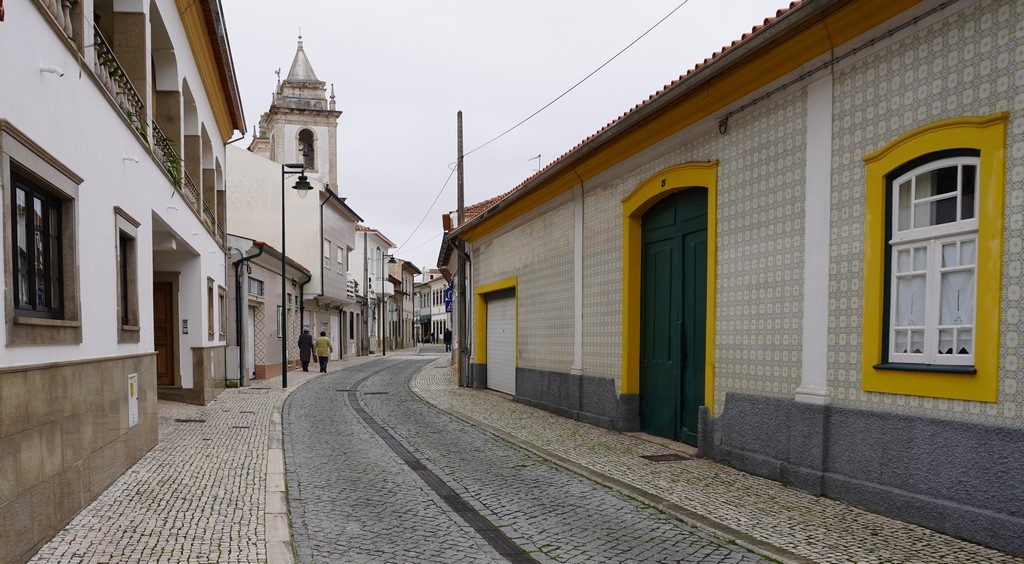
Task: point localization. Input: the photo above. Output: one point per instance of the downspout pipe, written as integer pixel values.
(238, 306)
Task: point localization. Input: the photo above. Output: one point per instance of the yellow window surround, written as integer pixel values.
(986, 134)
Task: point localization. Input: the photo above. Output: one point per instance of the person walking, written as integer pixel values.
(305, 348)
(447, 340)
(324, 348)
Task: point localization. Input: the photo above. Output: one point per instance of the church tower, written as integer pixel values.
(302, 124)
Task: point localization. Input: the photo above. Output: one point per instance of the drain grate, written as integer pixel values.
(347, 390)
(240, 427)
(374, 393)
(190, 420)
(665, 457)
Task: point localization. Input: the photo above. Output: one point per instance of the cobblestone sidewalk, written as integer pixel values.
(781, 522)
(201, 494)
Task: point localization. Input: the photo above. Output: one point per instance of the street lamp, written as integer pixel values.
(303, 186)
(383, 340)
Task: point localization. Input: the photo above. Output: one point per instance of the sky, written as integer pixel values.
(403, 69)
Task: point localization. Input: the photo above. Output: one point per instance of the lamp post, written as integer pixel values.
(303, 186)
(383, 340)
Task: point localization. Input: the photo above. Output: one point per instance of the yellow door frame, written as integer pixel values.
(649, 193)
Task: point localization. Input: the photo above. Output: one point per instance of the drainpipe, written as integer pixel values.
(238, 307)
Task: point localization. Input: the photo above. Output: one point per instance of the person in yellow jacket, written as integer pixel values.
(323, 348)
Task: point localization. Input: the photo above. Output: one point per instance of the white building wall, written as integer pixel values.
(43, 106)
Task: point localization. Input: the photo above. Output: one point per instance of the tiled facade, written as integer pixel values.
(540, 254)
(798, 412)
(969, 63)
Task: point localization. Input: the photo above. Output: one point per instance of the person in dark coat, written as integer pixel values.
(305, 348)
(447, 340)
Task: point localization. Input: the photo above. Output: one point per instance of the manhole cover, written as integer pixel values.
(665, 457)
(190, 420)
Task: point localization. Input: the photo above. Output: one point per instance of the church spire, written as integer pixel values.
(301, 70)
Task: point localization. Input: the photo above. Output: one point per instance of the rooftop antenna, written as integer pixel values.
(538, 161)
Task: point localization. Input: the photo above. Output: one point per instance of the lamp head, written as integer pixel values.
(303, 185)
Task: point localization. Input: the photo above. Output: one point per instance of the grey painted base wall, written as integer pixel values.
(583, 398)
(958, 478)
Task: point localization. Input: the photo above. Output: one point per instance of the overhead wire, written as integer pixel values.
(534, 114)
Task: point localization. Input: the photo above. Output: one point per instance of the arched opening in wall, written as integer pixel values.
(166, 101)
(307, 149)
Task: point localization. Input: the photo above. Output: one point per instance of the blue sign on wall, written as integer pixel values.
(448, 300)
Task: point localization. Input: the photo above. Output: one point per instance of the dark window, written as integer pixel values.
(124, 270)
(37, 257)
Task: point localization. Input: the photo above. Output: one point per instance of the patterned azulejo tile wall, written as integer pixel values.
(539, 253)
(969, 64)
(760, 252)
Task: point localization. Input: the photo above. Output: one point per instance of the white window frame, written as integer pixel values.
(327, 253)
(930, 241)
(341, 260)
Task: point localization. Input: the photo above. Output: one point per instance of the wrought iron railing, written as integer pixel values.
(189, 190)
(172, 164)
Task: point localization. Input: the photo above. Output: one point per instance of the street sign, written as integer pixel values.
(447, 300)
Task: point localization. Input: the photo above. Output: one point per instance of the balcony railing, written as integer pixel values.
(114, 79)
(61, 12)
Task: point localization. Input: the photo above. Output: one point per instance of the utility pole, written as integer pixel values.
(463, 303)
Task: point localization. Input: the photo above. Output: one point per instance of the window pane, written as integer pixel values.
(970, 179)
(946, 341)
(903, 260)
(55, 258)
(916, 342)
(967, 252)
(22, 263)
(949, 255)
(957, 298)
(965, 342)
(39, 258)
(900, 342)
(910, 301)
(904, 191)
(920, 258)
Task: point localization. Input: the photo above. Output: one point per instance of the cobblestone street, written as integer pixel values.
(213, 489)
(353, 499)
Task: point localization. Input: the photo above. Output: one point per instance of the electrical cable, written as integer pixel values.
(534, 114)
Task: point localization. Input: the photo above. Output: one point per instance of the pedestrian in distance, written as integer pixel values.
(447, 340)
(305, 348)
(323, 348)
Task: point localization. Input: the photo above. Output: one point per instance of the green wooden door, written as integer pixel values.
(672, 315)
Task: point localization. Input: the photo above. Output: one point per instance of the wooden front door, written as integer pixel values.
(163, 332)
(672, 317)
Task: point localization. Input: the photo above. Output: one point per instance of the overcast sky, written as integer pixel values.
(403, 69)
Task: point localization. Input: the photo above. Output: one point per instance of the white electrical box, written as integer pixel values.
(133, 400)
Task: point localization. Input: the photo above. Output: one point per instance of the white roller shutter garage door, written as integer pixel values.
(501, 345)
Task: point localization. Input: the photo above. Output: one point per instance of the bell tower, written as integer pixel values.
(302, 124)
